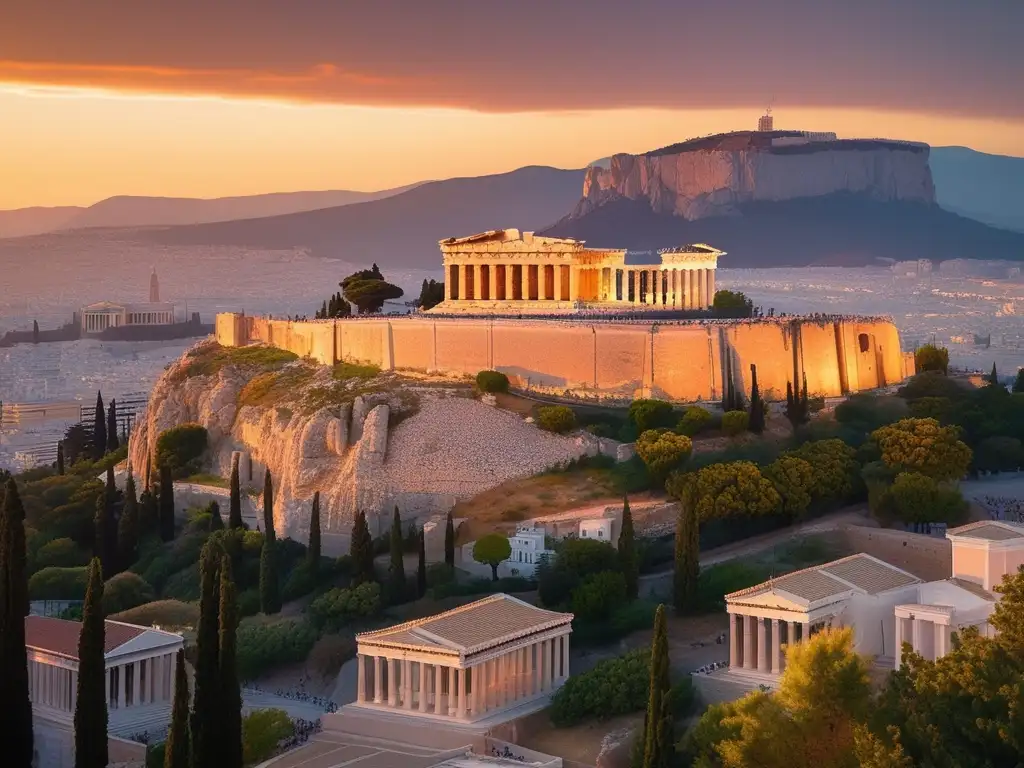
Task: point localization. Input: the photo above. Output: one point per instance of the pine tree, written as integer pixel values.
(176, 748)
(14, 680)
(216, 521)
(91, 705)
(757, 405)
(449, 541)
(235, 510)
(313, 550)
(112, 443)
(687, 557)
(206, 705)
(421, 567)
(361, 551)
(128, 527)
(268, 506)
(270, 592)
(149, 515)
(60, 457)
(396, 567)
(659, 738)
(627, 552)
(230, 693)
(99, 430)
(166, 503)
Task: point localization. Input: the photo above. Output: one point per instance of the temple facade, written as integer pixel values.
(489, 660)
(507, 270)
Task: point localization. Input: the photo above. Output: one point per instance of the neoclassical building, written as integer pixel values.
(487, 660)
(506, 270)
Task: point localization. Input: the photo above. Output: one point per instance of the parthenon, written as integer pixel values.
(508, 270)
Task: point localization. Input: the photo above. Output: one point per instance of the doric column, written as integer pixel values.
(573, 282)
(461, 297)
(461, 710)
(762, 646)
(423, 687)
(940, 639)
(438, 688)
(805, 632)
(377, 681)
(392, 683)
(898, 651)
(492, 282)
(124, 685)
(542, 282)
(711, 287)
(447, 282)
(525, 282)
(478, 282)
(510, 277)
(749, 630)
(565, 656)
(558, 282)
(734, 641)
(406, 684)
(776, 646)
(360, 678)
(703, 286)
(528, 671)
(915, 633)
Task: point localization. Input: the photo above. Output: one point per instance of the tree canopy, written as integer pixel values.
(931, 358)
(923, 445)
(662, 450)
(726, 490)
(492, 549)
(367, 290)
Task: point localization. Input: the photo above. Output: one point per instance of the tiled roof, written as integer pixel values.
(492, 621)
(60, 637)
(990, 530)
(974, 588)
(860, 573)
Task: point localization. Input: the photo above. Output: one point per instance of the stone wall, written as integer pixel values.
(927, 557)
(680, 361)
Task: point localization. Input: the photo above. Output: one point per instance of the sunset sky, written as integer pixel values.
(220, 98)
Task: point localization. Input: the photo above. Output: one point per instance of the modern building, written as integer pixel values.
(140, 664)
(506, 270)
(529, 548)
(598, 528)
(884, 605)
(488, 661)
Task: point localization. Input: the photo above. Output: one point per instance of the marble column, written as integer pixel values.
(360, 678)
(762, 646)
(422, 702)
(478, 281)
(776, 646)
(377, 680)
(510, 277)
(525, 282)
(574, 287)
(407, 684)
(734, 641)
(542, 283)
(438, 688)
(462, 284)
(711, 286)
(558, 282)
(565, 656)
(805, 632)
(749, 630)
(915, 633)
(392, 682)
(941, 640)
(124, 685)
(460, 711)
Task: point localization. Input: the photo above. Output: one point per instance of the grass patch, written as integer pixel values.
(205, 478)
(273, 386)
(347, 371)
(209, 359)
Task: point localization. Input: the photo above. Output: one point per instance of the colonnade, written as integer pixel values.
(755, 642)
(498, 681)
(133, 684)
(676, 287)
(928, 637)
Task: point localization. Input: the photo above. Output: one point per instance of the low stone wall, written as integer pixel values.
(927, 557)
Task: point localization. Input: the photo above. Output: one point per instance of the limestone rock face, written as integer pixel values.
(698, 180)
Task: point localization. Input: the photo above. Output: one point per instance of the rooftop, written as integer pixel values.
(59, 637)
(506, 235)
(856, 573)
(989, 530)
(470, 628)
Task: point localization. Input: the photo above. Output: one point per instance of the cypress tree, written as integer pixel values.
(313, 550)
(627, 552)
(91, 706)
(805, 400)
(993, 378)
(99, 429)
(149, 516)
(128, 527)
(396, 567)
(361, 550)
(112, 443)
(756, 404)
(216, 521)
(268, 507)
(235, 510)
(206, 706)
(166, 512)
(176, 748)
(659, 741)
(449, 541)
(270, 592)
(14, 682)
(687, 557)
(230, 692)
(35, 331)
(421, 567)
(105, 527)
(60, 457)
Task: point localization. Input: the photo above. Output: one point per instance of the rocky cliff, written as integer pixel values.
(368, 442)
(713, 176)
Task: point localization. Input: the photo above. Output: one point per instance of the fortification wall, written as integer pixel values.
(686, 361)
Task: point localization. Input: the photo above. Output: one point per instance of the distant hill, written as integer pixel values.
(138, 211)
(989, 188)
(833, 230)
(402, 230)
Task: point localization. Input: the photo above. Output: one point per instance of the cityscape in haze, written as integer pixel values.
(461, 385)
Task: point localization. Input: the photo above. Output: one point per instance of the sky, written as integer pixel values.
(220, 97)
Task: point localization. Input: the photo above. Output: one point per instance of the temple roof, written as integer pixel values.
(506, 235)
(470, 628)
(60, 636)
(989, 530)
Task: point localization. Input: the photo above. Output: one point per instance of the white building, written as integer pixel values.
(140, 664)
(96, 318)
(599, 528)
(528, 548)
(491, 660)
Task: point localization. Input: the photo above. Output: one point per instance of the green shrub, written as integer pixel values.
(694, 421)
(337, 607)
(182, 448)
(161, 613)
(249, 602)
(586, 557)
(300, 582)
(126, 590)
(613, 687)
(263, 646)
(735, 422)
(651, 414)
(509, 584)
(58, 584)
(262, 731)
(717, 581)
(252, 542)
(598, 595)
(183, 585)
(662, 450)
(155, 755)
(556, 418)
(492, 381)
(61, 553)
